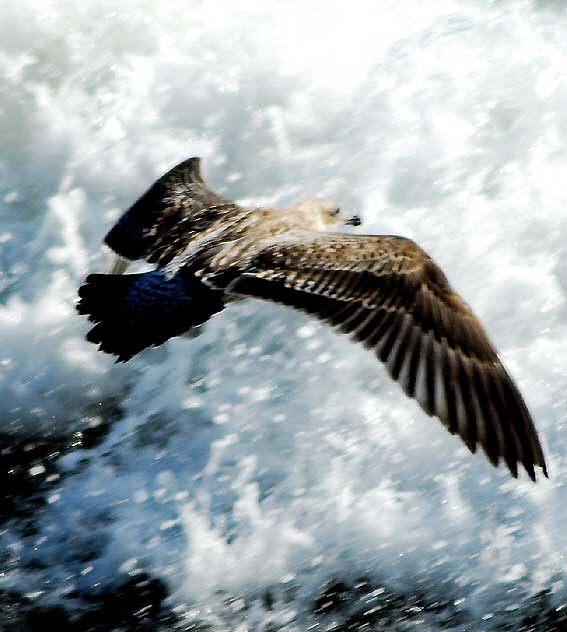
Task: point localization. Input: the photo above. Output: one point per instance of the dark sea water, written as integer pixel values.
(266, 475)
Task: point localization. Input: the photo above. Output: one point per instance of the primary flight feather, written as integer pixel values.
(384, 291)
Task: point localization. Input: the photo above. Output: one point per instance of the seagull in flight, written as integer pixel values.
(382, 290)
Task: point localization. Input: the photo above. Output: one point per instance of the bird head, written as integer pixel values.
(325, 214)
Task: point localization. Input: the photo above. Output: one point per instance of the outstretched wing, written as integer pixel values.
(168, 216)
(388, 294)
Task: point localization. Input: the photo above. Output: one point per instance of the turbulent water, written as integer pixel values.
(266, 474)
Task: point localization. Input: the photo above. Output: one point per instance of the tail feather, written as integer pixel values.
(136, 311)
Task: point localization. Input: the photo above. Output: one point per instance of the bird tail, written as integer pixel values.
(136, 311)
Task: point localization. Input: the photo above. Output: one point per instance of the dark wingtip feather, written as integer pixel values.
(522, 422)
(193, 166)
(132, 237)
(512, 466)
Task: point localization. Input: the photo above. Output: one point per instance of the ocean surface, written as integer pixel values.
(266, 474)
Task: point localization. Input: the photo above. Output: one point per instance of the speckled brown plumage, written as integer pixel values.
(383, 291)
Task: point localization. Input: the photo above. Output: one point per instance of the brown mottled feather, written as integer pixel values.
(176, 210)
(390, 296)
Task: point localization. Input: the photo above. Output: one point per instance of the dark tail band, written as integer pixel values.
(136, 311)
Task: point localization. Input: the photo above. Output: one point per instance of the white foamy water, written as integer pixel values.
(269, 456)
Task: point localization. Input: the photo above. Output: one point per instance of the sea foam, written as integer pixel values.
(254, 466)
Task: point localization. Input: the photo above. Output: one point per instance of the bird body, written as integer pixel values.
(384, 291)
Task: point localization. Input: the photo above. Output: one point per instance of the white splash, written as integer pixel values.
(268, 453)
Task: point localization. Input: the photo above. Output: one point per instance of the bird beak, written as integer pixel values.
(354, 221)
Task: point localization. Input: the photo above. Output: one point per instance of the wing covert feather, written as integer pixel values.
(389, 295)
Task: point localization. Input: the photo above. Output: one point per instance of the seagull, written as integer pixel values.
(382, 290)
